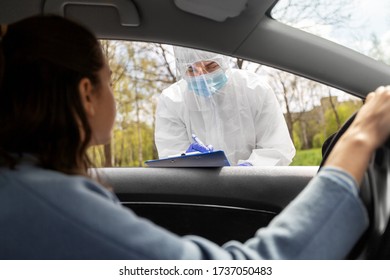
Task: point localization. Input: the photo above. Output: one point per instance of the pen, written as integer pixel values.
(184, 154)
(197, 140)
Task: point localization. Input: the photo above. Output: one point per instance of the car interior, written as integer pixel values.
(228, 203)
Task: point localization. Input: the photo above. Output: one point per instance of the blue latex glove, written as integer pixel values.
(245, 164)
(196, 147)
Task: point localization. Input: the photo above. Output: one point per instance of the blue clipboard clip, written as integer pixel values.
(194, 159)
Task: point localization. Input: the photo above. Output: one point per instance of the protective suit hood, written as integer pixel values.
(185, 57)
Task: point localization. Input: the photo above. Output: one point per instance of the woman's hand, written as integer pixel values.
(373, 120)
(369, 131)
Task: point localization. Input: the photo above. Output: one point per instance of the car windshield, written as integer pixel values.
(362, 25)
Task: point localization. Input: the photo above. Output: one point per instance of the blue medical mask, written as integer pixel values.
(207, 84)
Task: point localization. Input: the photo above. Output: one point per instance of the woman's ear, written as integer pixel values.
(86, 95)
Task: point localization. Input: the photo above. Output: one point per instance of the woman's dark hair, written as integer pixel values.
(43, 59)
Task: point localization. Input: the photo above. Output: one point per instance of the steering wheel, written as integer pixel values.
(375, 194)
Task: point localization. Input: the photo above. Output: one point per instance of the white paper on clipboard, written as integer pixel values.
(212, 159)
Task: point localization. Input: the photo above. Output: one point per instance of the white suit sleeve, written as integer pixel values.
(273, 143)
(171, 136)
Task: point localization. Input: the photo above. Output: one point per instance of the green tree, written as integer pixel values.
(139, 73)
(345, 110)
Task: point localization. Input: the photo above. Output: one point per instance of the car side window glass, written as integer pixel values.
(141, 71)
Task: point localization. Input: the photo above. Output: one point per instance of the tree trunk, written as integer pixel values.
(333, 107)
(107, 155)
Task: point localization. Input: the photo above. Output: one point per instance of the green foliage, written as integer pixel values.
(139, 73)
(318, 139)
(344, 110)
(310, 157)
(297, 140)
(126, 148)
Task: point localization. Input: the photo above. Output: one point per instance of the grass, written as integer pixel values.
(307, 158)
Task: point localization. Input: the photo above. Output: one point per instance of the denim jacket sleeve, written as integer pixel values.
(323, 222)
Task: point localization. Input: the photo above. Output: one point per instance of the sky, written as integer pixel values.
(371, 17)
(377, 12)
(368, 17)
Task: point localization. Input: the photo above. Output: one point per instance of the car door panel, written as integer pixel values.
(220, 204)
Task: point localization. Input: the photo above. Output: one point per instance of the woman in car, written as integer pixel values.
(56, 101)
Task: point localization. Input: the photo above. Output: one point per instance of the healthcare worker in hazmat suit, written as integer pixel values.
(226, 108)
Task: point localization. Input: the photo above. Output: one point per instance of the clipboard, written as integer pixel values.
(212, 159)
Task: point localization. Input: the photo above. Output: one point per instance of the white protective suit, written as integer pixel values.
(242, 118)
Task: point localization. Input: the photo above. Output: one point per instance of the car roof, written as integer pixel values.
(249, 32)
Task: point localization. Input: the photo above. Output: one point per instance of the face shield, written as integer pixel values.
(186, 57)
(204, 72)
